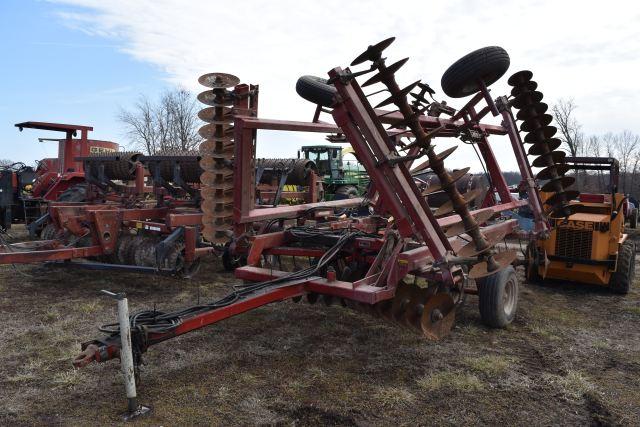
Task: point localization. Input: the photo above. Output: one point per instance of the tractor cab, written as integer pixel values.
(328, 160)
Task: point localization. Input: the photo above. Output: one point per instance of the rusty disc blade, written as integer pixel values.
(216, 114)
(455, 176)
(412, 311)
(216, 98)
(532, 111)
(373, 52)
(548, 172)
(212, 131)
(520, 77)
(470, 249)
(458, 228)
(562, 197)
(446, 153)
(389, 71)
(215, 144)
(549, 159)
(543, 147)
(503, 259)
(398, 96)
(438, 316)
(527, 98)
(400, 301)
(218, 80)
(529, 86)
(536, 123)
(469, 197)
(562, 181)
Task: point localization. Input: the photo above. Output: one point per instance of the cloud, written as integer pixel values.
(579, 49)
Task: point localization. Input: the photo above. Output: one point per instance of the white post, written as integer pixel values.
(126, 358)
(126, 354)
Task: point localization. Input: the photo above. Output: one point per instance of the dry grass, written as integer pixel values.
(571, 355)
(491, 364)
(450, 381)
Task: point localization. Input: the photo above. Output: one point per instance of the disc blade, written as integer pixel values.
(548, 159)
(548, 172)
(520, 77)
(540, 134)
(446, 153)
(527, 98)
(470, 249)
(531, 111)
(562, 198)
(503, 259)
(564, 211)
(389, 71)
(218, 80)
(373, 52)
(544, 146)
(562, 181)
(529, 86)
(400, 301)
(215, 98)
(402, 94)
(535, 123)
(459, 228)
(469, 197)
(216, 114)
(438, 316)
(413, 310)
(213, 130)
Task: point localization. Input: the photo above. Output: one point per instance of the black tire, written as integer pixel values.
(50, 232)
(498, 295)
(487, 64)
(622, 279)
(316, 90)
(231, 262)
(633, 218)
(75, 193)
(345, 192)
(531, 267)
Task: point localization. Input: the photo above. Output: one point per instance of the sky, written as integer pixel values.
(81, 61)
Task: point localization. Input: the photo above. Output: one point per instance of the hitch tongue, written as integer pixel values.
(87, 356)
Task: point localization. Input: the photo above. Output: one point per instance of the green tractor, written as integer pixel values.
(341, 179)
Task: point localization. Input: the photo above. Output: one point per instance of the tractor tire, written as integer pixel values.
(75, 193)
(315, 89)
(50, 232)
(633, 218)
(498, 295)
(487, 64)
(531, 266)
(622, 279)
(345, 192)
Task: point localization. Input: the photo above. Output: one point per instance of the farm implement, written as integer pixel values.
(402, 261)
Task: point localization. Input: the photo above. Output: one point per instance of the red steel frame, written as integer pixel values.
(394, 189)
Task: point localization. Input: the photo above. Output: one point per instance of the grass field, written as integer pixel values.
(572, 356)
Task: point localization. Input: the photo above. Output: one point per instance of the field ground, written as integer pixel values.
(572, 356)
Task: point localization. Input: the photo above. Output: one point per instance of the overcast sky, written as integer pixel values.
(586, 50)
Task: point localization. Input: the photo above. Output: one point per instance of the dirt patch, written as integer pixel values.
(572, 356)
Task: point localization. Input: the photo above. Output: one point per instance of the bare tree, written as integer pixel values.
(570, 134)
(625, 146)
(170, 124)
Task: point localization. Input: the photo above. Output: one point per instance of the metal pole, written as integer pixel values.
(126, 358)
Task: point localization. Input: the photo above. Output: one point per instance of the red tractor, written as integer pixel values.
(24, 191)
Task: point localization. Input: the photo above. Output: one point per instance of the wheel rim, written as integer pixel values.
(509, 296)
